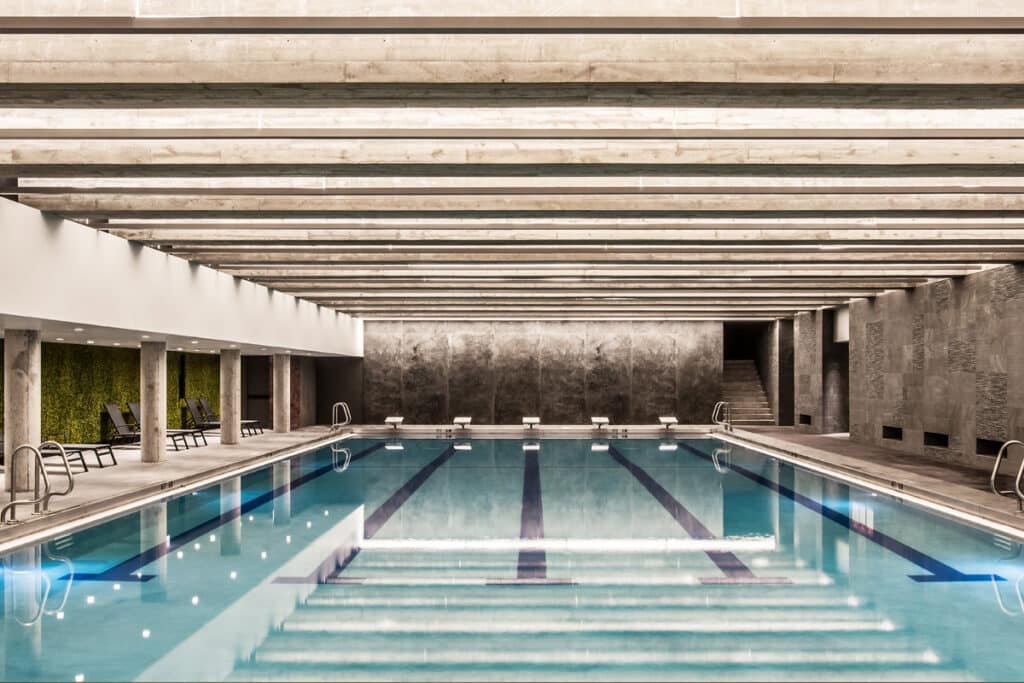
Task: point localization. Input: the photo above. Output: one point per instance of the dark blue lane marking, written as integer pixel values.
(731, 565)
(533, 564)
(330, 569)
(128, 570)
(938, 571)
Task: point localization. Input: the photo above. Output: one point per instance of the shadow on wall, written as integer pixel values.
(563, 372)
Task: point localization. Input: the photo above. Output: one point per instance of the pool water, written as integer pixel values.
(510, 559)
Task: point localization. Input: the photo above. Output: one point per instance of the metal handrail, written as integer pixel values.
(67, 470)
(721, 415)
(1016, 490)
(38, 500)
(340, 407)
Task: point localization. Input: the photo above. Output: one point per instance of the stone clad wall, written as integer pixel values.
(947, 357)
(565, 372)
(807, 333)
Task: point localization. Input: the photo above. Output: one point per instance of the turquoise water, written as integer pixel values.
(413, 559)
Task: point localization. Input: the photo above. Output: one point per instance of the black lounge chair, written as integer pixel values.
(77, 451)
(201, 419)
(210, 416)
(129, 434)
(173, 433)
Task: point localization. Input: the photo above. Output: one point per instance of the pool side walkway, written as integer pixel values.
(100, 491)
(957, 486)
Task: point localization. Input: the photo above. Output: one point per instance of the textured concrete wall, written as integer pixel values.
(835, 376)
(564, 372)
(947, 357)
(807, 329)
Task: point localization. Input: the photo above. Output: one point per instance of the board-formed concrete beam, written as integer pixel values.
(512, 122)
(21, 156)
(255, 205)
(599, 57)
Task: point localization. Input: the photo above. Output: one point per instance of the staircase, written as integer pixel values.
(741, 387)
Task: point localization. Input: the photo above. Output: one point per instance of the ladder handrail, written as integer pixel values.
(67, 470)
(41, 474)
(718, 453)
(1016, 490)
(721, 415)
(335, 422)
(41, 609)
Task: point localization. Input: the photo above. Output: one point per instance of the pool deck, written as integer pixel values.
(105, 492)
(960, 487)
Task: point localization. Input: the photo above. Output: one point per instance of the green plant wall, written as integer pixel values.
(202, 378)
(78, 380)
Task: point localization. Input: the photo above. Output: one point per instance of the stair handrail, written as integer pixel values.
(1016, 490)
(336, 410)
(39, 500)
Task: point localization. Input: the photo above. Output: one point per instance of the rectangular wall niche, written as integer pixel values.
(895, 433)
(805, 419)
(936, 439)
(987, 447)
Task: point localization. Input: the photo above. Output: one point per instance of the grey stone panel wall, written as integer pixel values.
(807, 361)
(946, 358)
(564, 372)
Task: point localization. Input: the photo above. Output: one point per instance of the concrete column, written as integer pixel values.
(22, 400)
(230, 396)
(282, 392)
(153, 389)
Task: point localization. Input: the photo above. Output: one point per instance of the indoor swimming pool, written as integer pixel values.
(499, 559)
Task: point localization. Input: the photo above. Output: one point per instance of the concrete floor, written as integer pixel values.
(101, 490)
(963, 488)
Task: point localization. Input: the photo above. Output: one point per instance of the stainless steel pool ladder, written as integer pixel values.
(41, 496)
(340, 408)
(721, 415)
(1015, 491)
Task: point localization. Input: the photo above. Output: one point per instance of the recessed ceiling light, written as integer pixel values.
(117, 343)
(194, 341)
(180, 349)
(234, 346)
(89, 341)
(145, 336)
(79, 329)
(60, 338)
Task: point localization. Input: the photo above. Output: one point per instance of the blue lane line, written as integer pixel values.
(533, 564)
(938, 571)
(330, 569)
(127, 570)
(730, 565)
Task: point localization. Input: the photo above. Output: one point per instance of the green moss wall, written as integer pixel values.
(78, 380)
(202, 378)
